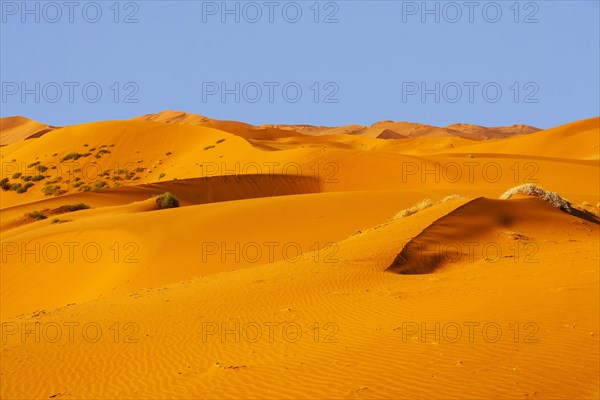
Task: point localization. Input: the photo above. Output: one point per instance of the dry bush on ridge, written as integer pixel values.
(530, 189)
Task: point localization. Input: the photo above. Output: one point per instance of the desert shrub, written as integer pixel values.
(15, 186)
(25, 187)
(16, 175)
(220, 141)
(73, 156)
(77, 184)
(52, 190)
(162, 175)
(530, 189)
(53, 180)
(72, 207)
(99, 185)
(41, 168)
(85, 188)
(35, 164)
(209, 147)
(38, 178)
(167, 200)
(4, 184)
(423, 204)
(37, 215)
(55, 221)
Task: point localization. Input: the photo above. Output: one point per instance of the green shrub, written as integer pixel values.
(73, 156)
(4, 184)
(162, 175)
(72, 207)
(24, 188)
(38, 216)
(33, 164)
(99, 185)
(52, 190)
(38, 178)
(167, 200)
(16, 175)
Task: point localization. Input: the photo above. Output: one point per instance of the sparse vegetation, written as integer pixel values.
(52, 190)
(220, 141)
(99, 185)
(4, 184)
(167, 200)
(162, 175)
(25, 187)
(16, 175)
(101, 152)
(209, 147)
(36, 215)
(423, 204)
(73, 156)
(530, 189)
(71, 207)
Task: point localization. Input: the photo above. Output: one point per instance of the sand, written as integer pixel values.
(284, 273)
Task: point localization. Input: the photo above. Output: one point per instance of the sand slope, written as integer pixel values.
(387, 307)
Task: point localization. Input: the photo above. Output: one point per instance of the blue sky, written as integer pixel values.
(325, 63)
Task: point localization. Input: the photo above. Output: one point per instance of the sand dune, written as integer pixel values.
(16, 129)
(294, 228)
(506, 224)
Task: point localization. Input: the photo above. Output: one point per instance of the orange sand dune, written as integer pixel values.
(359, 327)
(498, 132)
(286, 271)
(16, 129)
(140, 235)
(501, 222)
(244, 130)
(579, 140)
